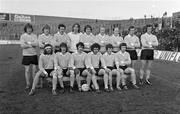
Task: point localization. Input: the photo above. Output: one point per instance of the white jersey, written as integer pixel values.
(74, 39)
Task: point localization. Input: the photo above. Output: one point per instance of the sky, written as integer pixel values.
(93, 9)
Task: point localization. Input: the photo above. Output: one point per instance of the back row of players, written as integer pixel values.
(81, 64)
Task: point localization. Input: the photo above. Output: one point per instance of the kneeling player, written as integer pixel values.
(79, 65)
(94, 67)
(122, 59)
(46, 66)
(109, 61)
(63, 68)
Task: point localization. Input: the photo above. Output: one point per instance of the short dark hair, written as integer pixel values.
(61, 25)
(109, 46)
(131, 27)
(79, 27)
(46, 27)
(95, 45)
(63, 45)
(122, 44)
(80, 44)
(115, 27)
(87, 26)
(28, 25)
(48, 45)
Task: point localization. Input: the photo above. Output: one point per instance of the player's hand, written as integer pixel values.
(45, 73)
(76, 71)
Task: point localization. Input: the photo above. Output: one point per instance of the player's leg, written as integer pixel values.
(105, 78)
(110, 80)
(54, 82)
(72, 79)
(133, 76)
(88, 78)
(34, 70)
(60, 79)
(94, 80)
(78, 78)
(143, 64)
(118, 77)
(27, 76)
(35, 82)
(133, 62)
(148, 72)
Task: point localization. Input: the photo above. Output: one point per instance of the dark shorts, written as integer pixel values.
(81, 70)
(97, 71)
(133, 54)
(27, 60)
(64, 72)
(110, 67)
(123, 67)
(49, 72)
(147, 54)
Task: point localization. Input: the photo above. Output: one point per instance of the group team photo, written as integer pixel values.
(85, 58)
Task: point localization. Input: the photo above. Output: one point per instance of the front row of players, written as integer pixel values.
(85, 65)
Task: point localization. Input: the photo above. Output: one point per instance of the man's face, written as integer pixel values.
(80, 48)
(63, 49)
(88, 31)
(109, 50)
(123, 48)
(48, 49)
(46, 31)
(149, 29)
(62, 30)
(102, 30)
(116, 31)
(29, 30)
(76, 28)
(131, 31)
(95, 50)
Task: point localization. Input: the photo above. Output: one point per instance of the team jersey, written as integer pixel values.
(102, 40)
(26, 41)
(46, 62)
(79, 60)
(132, 42)
(62, 60)
(74, 39)
(122, 59)
(95, 60)
(109, 59)
(44, 39)
(148, 41)
(88, 40)
(59, 38)
(115, 40)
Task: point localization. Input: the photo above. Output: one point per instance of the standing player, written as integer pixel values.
(87, 38)
(115, 39)
(74, 37)
(45, 38)
(63, 66)
(132, 42)
(149, 41)
(102, 38)
(123, 59)
(61, 36)
(46, 67)
(109, 59)
(29, 43)
(79, 64)
(94, 60)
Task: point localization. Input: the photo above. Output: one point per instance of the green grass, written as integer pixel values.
(161, 98)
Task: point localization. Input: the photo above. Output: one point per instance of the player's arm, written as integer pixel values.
(144, 42)
(35, 41)
(128, 61)
(41, 67)
(137, 43)
(40, 41)
(155, 41)
(24, 44)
